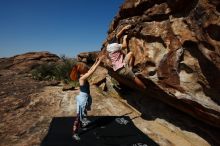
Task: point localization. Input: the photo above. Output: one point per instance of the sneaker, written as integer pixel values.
(85, 122)
(76, 137)
(84, 129)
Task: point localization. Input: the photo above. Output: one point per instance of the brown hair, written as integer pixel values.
(79, 68)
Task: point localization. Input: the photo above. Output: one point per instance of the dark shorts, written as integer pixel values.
(126, 72)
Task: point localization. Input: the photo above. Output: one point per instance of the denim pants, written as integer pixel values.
(81, 103)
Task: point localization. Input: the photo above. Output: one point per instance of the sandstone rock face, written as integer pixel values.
(26, 62)
(176, 44)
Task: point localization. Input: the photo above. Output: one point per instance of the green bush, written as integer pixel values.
(44, 72)
(55, 71)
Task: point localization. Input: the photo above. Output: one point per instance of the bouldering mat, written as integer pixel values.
(102, 131)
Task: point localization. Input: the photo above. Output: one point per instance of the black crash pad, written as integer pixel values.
(102, 131)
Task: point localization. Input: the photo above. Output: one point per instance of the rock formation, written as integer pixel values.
(26, 62)
(177, 48)
(87, 57)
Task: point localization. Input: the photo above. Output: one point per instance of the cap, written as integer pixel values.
(113, 47)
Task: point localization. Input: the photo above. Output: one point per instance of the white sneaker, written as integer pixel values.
(85, 122)
(76, 137)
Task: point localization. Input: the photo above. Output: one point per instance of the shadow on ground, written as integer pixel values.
(102, 131)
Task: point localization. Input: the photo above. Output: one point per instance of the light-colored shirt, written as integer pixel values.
(116, 55)
(117, 60)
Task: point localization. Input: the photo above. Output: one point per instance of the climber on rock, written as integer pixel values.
(121, 63)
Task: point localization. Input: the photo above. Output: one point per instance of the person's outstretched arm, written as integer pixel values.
(124, 42)
(118, 35)
(92, 69)
(94, 64)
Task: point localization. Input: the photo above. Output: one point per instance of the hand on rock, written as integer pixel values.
(127, 26)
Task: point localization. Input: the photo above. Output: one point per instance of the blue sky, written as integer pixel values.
(63, 27)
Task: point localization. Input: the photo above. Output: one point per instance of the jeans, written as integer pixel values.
(81, 103)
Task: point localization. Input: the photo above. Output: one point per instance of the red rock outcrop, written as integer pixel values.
(176, 44)
(26, 62)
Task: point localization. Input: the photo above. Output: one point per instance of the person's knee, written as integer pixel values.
(129, 56)
(139, 83)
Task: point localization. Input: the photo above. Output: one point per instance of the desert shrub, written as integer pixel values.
(55, 71)
(44, 72)
(63, 69)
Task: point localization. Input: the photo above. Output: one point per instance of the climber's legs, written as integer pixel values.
(129, 60)
(139, 83)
